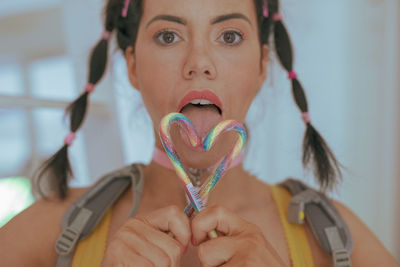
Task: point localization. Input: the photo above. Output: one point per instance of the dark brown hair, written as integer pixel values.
(316, 153)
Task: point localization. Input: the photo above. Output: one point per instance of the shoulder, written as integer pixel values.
(32, 233)
(368, 249)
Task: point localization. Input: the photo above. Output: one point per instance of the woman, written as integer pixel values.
(174, 48)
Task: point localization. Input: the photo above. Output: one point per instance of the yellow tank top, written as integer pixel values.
(90, 251)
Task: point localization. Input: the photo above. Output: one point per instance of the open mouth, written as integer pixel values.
(201, 106)
(200, 100)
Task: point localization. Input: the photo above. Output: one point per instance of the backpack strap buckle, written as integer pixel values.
(71, 234)
(340, 255)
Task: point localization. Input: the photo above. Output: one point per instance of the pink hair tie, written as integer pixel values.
(305, 116)
(277, 16)
(69, 138)
(125, 10)
(106, 35)
(292, 75)
(265, 9)
(89, 88)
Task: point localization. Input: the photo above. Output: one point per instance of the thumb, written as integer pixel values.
(216, 218)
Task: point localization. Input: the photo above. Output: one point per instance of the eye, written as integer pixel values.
(229, 37)
(166, 37)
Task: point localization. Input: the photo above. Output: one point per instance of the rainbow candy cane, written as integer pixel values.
(196, 199)
(211, 138)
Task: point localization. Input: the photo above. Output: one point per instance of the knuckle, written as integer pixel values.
(173, 210)
(137, 220)
(131, 225)
(219, 210)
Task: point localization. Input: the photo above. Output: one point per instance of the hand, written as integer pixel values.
(241, 244)
(143, 240)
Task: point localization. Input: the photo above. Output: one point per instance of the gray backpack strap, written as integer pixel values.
(325, 221)
(82, 217)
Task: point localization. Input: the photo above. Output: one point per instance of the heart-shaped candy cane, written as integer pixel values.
(196, 199)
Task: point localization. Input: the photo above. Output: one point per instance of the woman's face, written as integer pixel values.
(192, 51)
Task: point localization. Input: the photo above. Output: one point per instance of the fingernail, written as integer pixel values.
(193, 241)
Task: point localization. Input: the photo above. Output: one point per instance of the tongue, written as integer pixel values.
(203, 118)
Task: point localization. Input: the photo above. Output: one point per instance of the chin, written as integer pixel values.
(202, 160)
(199, 160)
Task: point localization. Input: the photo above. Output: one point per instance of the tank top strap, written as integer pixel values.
(296, 238)
(90, 251)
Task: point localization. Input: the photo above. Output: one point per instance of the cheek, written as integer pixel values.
(241, 74)
(157, 76)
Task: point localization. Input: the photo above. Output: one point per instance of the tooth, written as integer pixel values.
(195, 101)
(205, 102)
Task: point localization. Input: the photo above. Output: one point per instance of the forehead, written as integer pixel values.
(197, 10)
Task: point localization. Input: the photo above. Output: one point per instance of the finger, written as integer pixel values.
(173, 220)
(138, 244)
(218, 218)
(217, 251)
(166, 243)
(238, 251)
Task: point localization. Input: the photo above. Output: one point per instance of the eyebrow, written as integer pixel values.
(213, 21)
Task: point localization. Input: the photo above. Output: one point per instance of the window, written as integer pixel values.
(32, 101)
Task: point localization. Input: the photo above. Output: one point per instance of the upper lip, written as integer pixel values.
(205, 94)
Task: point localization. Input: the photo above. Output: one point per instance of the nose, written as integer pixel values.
(199, 63)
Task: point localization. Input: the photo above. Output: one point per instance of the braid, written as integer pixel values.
(57, 169)
(316, 152)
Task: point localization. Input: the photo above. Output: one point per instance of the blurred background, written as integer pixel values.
(346, 55)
